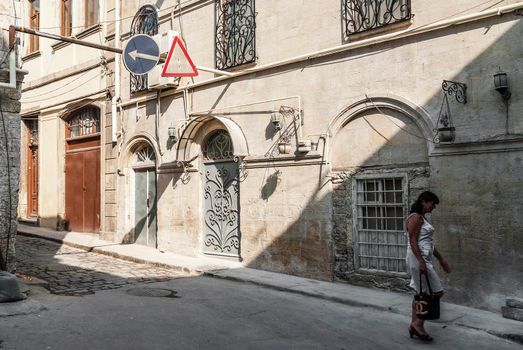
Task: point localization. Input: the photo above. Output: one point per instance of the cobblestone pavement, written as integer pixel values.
(72, 271)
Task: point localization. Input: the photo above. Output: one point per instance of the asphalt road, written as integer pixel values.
(194, 312)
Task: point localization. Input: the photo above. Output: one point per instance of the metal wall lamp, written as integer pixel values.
(171, 131)
(501, 84)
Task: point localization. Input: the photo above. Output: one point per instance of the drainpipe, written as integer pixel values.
(12, 72)
(116, 97)
(12, 62)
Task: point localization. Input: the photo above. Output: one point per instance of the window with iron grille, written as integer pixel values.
(380, 208)
(218, 146)
(235, 33)
(362, 15)
(85, 121)
(144, 22)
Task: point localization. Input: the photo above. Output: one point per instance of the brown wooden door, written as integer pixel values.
(32, 181)
(82, 187)
(31, 125)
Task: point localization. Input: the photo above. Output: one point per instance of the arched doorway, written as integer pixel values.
(221, 196)
(143, 163)
(82, 170)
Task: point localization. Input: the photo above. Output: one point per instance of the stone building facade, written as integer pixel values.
(304, 156)
(9, 141)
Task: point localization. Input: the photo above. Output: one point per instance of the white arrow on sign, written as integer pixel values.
(135, 54)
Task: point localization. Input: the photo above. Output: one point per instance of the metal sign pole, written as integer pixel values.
(12, 29)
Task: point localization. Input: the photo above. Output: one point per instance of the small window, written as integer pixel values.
(380, 232)
(235, 29)
(363, 15)
(84, 122)
(91, 13)
(34, 23)
(218, 146)
(144, 156)
(66, 26)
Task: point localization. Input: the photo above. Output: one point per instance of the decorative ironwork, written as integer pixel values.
(144, 156)
(219, 146)
(221, 217)
(362, 15)
(459, 90)
(235, 33)
(32, 126)
(144, 22)
(85, 122)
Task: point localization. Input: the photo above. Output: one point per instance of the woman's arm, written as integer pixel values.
(444, 264)
(413, 228)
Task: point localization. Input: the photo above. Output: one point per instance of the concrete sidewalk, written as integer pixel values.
(492, 323)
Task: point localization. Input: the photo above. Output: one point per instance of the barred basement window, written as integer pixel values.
(235, 37)
(362, 15)
(85, 122)
(144, 22)
(380, 208)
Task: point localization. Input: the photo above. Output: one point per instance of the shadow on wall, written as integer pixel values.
(477, 221)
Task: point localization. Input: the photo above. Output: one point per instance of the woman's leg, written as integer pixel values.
(417, 322)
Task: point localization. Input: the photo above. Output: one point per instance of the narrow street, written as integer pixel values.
(102, 302)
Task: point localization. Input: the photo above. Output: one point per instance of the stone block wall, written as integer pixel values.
(9, 159)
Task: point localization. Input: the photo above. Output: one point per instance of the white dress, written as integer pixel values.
(426, 248)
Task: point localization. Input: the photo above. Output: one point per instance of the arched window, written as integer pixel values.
(218, 146)
(85, 121)
(144, 22)
(143, 157)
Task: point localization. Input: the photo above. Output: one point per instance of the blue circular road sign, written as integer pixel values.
(140, 54)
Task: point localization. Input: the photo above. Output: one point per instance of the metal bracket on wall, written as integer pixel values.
(459, 90)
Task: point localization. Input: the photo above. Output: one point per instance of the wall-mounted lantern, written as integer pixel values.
(171, 131)
(501, 84)
(276, 120)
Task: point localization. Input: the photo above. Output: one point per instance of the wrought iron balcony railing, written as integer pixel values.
(363, 15)
(235, 33)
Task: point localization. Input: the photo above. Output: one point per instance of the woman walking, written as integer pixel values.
(420, 250)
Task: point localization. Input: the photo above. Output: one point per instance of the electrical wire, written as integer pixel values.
(392, 121)
(58, 88)
(62, 94)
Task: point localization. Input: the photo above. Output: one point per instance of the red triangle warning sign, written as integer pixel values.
(178, 63)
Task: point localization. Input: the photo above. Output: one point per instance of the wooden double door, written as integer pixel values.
(82, 185)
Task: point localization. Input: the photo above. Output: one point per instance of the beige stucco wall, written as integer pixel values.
(287, 200)
(60, 77)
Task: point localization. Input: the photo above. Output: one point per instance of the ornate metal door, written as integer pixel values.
(221, 209)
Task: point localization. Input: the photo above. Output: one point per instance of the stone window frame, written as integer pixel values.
(400, 258)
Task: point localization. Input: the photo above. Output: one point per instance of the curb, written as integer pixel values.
(514, 337)
(300, 292)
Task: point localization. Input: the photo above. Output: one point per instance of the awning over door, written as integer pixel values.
(191, 134)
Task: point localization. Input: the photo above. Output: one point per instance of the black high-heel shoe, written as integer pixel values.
(425, 337)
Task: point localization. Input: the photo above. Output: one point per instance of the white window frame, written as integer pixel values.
(356, 215)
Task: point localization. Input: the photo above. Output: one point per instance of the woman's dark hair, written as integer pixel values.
(426, 196)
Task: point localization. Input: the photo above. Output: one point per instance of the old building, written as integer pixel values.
(299, 147)
(11, 77)
(63, 100)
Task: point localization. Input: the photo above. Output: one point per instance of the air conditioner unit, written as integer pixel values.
(155, 80)
(164, 41)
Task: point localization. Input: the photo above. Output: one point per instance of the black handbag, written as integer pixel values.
(426, 304)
